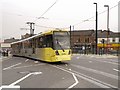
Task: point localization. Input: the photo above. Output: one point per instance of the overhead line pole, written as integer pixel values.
(70, 38)
(96, 39)
(32, 28)
(107, 26)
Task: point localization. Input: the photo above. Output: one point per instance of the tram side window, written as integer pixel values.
(40, 42)
(36, 41)
(26, 44)
(45, 41)
(30, 43)
(49, 41)
(33, 43)
(20, 45)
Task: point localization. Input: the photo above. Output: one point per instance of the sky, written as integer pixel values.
(15, 13)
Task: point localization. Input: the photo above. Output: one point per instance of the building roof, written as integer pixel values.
(10, 40)
(100, 33)
(105, 34)
(115, 35)
(82, 32)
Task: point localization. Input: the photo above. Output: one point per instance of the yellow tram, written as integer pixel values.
(50, 46)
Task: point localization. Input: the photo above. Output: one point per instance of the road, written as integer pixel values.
(83, 71)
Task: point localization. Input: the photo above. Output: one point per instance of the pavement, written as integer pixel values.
(98, 56)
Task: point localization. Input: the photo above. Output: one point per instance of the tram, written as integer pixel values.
(50, 46)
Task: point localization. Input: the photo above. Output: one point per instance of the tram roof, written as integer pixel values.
(39, 34)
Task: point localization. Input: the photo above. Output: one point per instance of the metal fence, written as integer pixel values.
(91, 50)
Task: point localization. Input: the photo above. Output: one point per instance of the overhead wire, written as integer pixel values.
(46, 10)
(42, 15)
(44, 26)
(94, 16)
(73, 24)
(82, 20)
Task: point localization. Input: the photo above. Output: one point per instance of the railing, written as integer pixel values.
(102, 51)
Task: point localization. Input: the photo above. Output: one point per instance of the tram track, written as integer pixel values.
(97, 82)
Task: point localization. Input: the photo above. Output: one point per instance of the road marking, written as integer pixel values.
(75, 78)
(5, 58)
(96, 71)
(107, 62)
(12, 66)
(78, 57)
(24, 72)
(94, 81)
(90, 61)
(116, 70)
(7, 87)
(89, 79)
(27, 66)
(36, 62)
(26, 60)
(21, 79)
(76, 82)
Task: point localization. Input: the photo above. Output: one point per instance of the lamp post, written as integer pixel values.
(70, 38)
(96, 26)
(107, 25)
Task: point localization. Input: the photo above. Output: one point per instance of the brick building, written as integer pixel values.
(83, 41)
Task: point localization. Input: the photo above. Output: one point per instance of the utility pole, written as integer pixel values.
(107, 26)
(96, 39)
(32, 28)
(70, 38)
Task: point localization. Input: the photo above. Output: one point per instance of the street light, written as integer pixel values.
(96, 26)
(107, 24)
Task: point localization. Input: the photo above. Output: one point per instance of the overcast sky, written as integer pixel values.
(15, 14)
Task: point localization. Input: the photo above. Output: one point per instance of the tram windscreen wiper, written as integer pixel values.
(59, 44)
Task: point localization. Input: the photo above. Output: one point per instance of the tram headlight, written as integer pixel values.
(69, 52)
(57, 53)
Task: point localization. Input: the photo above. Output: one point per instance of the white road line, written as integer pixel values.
(116, 70)
(21, 79)
(94, 81)
(107, 62)
(7, 87)
(12, 66)
(89, 79)
(76, 82)
(96, 71)
(5, 58)
(27, 66)
(26, 60)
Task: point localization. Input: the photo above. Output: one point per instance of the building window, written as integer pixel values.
(87, 40)
(113, 40)
(79, 40)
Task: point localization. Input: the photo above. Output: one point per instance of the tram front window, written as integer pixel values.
(61, 40)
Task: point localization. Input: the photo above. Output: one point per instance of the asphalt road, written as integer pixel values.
(83, 71)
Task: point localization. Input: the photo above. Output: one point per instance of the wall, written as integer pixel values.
(5, 45)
